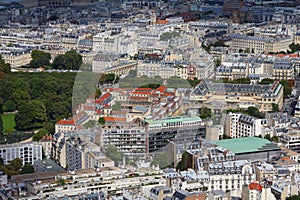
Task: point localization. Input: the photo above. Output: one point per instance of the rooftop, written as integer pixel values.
(173, 120)
(247, 145)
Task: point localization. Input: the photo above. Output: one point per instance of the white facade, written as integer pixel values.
(241, 125)
(28, 152)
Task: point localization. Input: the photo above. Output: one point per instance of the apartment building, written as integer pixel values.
(16, 57)
(231, 175)
(111, 42)
(129, 138)
(231, 95)
(242, 125)
(164, 69)
(112, 63)
(232, 71)
(291, 140)
(28, 152)
(259, 44)
(180, 130)
(265, 171)
(283, 70)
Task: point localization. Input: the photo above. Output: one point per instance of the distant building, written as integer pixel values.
(250, 148)
(231, 95)
(242, 125)
(181, 130)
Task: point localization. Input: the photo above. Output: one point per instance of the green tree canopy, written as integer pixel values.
(16, 163)
(30, 115)
(205, 113)
(9, 106)
(101, 120)
(27, 169)
(294, 47)
(40, 134)
(4, 67)
(20, 97)
(71, 60)
(39, 58)
(1, 126)
(113, 153)
(160, 159)
(294, 197)
(169, 35)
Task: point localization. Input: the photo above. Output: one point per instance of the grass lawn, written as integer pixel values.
(8, 123)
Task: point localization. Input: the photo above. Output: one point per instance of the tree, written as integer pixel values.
(294, 197)
(40, 134)
(275, 107)
(101, 120)
(16, 163)
(4, 67)
(20, 97)
(71, 60)
(268, 137)
(218, 62)
(160, 159)
(1, 126)
(266, 81)
(113, 153)
(287, 89)
(247, 50)
(294, 47)
(184, 161)
(205, 113)
(98, 93)
(39, 58)
(27, 169)
(253, 111)
(9, 106)
(226, 136)
(31, 115)
(194, 82)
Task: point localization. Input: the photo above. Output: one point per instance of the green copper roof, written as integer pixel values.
(246, 144)
(172, 119)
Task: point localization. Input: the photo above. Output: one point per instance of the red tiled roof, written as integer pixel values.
(140, 92)
(169, 94)
(66, 122)
(161, 88)
(103, 97)
(106, 106)
(98, 112)
(114, 119)
(143, 89)
(281, 55)
(255, 186)
(294, 56)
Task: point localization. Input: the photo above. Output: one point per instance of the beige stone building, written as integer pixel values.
(16, 57)
(231, 95)
(258, 44)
